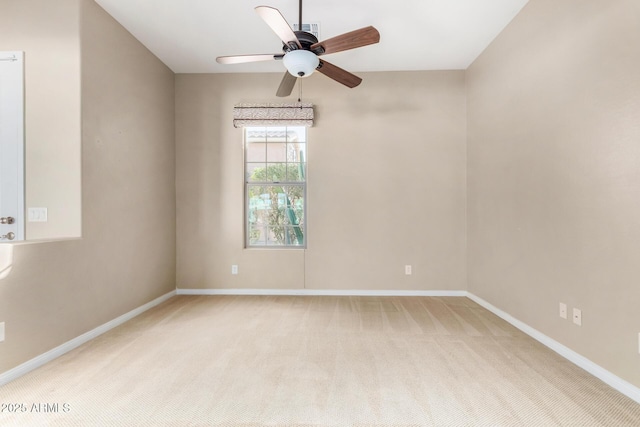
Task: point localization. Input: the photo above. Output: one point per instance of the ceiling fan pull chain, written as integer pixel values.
(300, 92)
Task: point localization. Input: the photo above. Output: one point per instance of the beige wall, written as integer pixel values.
(553, 177)
(57, 291)
(386, 184)
(49, 34)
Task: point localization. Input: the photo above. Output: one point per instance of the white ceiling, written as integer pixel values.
(187, 35)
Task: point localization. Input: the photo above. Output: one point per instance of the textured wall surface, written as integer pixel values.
(386, 184)
(553, 176)
(57, 291)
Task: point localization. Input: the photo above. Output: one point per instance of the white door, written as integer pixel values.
(11, 146)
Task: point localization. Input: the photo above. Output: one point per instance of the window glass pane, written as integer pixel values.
(258, 206)
(296, 207)
(277, 152)
(294, 215)
(275, 236)
(256, 152)
(257, 235)
(255, 172)
(295, 152)
(294, 235)
(296, 172)
(276, 133)
(276, 172)
(296, 134)
(258, 200)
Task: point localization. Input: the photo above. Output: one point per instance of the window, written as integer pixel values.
(275, 186)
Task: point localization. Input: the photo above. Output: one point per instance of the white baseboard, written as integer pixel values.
(38, 361)
(323, 292)
(594, 369)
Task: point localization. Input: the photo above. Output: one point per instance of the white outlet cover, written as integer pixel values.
(577, 316)
(563, 310)
(407, 270)
(1, 331)
(234, 269)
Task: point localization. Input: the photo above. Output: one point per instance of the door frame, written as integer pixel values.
(12, 161)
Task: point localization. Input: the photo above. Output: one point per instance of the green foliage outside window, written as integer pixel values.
(281, 207)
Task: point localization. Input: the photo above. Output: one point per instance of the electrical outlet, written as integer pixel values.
(1, 331)
(407, 270)
(234, 269)
(638, 342)
(577, 316)
(563, 310)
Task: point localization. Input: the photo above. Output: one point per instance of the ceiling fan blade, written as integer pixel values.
(351, 40)
(286, 85)
(239, 59)
(338, 74)
(279, 25)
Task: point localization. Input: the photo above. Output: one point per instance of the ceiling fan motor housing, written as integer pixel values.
(306, 41)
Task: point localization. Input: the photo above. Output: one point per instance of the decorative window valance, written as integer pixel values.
(298, 114)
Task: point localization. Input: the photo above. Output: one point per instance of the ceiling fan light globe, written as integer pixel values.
(301, 63)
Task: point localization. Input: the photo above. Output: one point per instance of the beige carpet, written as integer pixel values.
(315, 361)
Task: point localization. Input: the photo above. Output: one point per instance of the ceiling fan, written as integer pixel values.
(302, 49)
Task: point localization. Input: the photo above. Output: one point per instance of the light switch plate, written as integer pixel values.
(37, 215)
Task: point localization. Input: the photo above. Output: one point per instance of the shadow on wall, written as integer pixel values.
(6, 260)
(366, 105)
